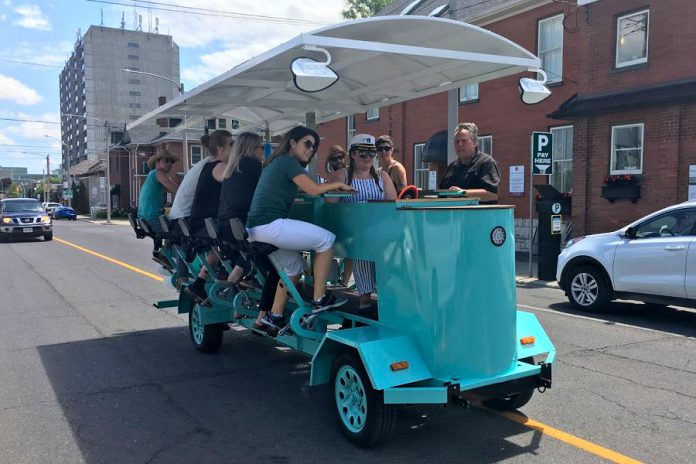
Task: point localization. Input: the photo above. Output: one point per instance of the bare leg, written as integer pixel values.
(281, 296)
(322, 265)
(236, 274)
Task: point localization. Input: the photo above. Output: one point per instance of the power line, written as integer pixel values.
(28, 120)
(30, 63)
(216, 13)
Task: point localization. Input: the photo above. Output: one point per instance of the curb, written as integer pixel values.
(532, 282)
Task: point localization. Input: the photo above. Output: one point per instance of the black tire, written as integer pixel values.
(206, 338)
(587, 289)
(511, 402)
(48, 236)
(368, 421)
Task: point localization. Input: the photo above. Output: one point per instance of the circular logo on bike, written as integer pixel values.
(498, 236)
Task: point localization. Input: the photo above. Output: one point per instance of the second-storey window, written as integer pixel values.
(468, 92)
(195, 154)
(550, 51)
(372, 113)
(632, 39)
(627, 149)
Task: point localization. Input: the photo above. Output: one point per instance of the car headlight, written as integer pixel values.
(45, 219)
(573, 241)
(7, 220)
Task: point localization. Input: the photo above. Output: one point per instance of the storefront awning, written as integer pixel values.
(379, 61)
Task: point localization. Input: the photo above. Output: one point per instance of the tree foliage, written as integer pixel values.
(363, 8)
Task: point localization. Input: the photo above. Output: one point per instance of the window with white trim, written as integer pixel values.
(468, 92)
(550, 47)
(420, 168)
(632, 39)
(626, 149)
(372, 113)
(485, 144)
(562, 177)
(195, 154)
(350, 126)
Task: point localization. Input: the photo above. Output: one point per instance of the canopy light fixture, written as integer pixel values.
(310, 75)
(533, 91)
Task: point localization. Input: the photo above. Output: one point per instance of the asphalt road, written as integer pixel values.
(91, 372)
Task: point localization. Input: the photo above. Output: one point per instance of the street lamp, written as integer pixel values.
(107, 137)
(180, 88)
(67, 170)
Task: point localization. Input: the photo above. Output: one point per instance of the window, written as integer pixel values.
(134, 105)
(632, 39)
(134, 93)
(133, 57)
(350, 128)
(372, 113)
(677, 223)
(222, 123)
(627, 149)
(485, 144)
(550, 46)
(468, 92)
(133, 45)
(133, 117)
(420, 169)
(562, 177)
(134, 81)
(195, 154)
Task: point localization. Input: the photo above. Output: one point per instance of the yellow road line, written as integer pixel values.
(112, 260)
(584, 445)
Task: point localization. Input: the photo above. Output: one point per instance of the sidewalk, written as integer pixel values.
(522, 278)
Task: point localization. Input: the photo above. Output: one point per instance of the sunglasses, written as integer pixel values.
(337, 158)
(366, 154)
(385, 149)
(309, 145)
(168, 160)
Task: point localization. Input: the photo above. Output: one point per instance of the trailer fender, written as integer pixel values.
(390, 358)
(529, 326)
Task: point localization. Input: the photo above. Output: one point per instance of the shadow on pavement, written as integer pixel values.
(150, 397)
(671, 319)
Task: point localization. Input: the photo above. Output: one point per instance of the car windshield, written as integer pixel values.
(21, 206)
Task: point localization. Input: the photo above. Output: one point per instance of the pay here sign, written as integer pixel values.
(542, 153)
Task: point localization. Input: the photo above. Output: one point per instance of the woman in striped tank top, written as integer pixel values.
(369, 185)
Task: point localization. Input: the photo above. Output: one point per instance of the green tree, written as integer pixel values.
(363, 8)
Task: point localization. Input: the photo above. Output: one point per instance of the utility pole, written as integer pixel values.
(47, 189)
(108, 171)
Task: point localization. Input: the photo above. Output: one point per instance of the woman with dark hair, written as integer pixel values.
(282, 176)
(370, 185)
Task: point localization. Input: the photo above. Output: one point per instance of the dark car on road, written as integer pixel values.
(24, 217)
(64, 212)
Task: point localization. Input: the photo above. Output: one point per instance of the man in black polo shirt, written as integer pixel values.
(473, 171)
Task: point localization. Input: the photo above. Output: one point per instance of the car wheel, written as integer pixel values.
(587, 289)
(206, 338)
(510, 402)
(362, 415)
(48, 236)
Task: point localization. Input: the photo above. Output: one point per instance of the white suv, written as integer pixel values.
(651, 260)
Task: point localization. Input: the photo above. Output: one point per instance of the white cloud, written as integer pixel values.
(35, 131)
(45, 53)
(31, 18)
(3, 17)
(12, 89)
(5, 140)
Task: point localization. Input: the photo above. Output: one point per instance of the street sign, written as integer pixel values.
(556, 208)
(67, 194)
(542, 153)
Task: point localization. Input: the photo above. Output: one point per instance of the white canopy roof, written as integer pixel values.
(379, 61)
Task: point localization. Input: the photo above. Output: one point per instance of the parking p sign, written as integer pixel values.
(542, 153)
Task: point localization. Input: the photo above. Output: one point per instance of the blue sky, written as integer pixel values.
(36, 38)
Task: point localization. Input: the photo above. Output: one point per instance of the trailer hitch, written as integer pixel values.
(544, 380)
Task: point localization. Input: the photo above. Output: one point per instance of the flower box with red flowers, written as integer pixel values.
(621, 186)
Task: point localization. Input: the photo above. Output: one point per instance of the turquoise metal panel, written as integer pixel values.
(216, 315)
(528, 325)
(439, 277)
(416, 395)
(166, 304)
(379, 347)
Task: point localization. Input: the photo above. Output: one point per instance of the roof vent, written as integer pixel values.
(412, 6)
(439, 11)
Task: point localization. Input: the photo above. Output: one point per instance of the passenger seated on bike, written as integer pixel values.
(206, 201)
(152, 195)
(369, 185)
(181, 207)
(238, 185)
(268, 222)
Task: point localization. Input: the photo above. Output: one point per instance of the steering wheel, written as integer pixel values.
(665, 230)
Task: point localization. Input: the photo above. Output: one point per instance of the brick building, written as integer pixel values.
(623, 102)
